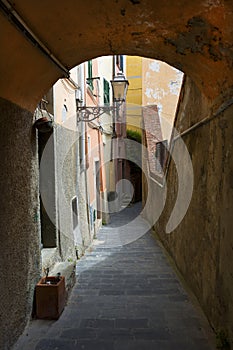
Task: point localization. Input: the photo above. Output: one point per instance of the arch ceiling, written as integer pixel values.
(194, 36)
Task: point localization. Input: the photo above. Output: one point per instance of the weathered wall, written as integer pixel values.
(48, 222)
(66, 175)
(20, 244)
(202, 244)
(196, 38)
(161, 86)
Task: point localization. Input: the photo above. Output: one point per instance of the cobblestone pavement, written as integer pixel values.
(126, 298)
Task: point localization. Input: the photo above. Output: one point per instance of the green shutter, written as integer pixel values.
(106, 92)
(89, 78)
(122, 62)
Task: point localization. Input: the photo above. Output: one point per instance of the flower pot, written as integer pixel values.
(50, 297)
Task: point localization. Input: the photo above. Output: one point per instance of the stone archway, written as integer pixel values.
(196, 37)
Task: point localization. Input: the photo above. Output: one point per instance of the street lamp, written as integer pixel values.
(119, 88)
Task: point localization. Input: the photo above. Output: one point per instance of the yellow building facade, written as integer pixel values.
(152, 82)
(134, 94)
(161, 84)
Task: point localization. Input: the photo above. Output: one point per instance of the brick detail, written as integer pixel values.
(153, 134)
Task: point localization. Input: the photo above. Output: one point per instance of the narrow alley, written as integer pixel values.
(126, 297)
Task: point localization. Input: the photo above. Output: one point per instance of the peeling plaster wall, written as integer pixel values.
(19, 220)
(202, 244)
(161, 86)
(195, 37)
(152, 82)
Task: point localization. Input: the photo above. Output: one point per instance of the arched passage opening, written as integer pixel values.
(193, 37)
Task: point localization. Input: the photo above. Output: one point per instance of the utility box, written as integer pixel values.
(50, 297)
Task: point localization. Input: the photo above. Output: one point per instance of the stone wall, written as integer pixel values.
(19, 220)
(20, 248)
(70, 183)
(66, 174)
(202, 244)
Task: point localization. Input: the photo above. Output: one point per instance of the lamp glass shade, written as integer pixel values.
(119, 87)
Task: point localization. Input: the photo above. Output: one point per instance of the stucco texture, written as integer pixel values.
(19, 220)
(202, 244)
(66, 174)
(195, 37)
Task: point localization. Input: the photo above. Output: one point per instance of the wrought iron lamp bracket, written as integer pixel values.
(88, 114)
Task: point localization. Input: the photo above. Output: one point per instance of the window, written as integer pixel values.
(106, 92)
(161, 155)
(81, 151)
(89, 145)
(120, 62)
(64, 113)
(89, 78)
(75, 212)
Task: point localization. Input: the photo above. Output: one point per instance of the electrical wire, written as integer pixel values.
(13, 17)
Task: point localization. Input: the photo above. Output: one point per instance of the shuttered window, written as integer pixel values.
(120, 62)
(106, 92)
(74, 205)
(89, 78)
(161, 155)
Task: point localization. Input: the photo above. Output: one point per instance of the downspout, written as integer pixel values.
(84, 147)
(114, 103)
(112, 182)
(101, 189)
(82, 124)
(58, 225)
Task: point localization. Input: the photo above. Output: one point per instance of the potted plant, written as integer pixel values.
(50, 296)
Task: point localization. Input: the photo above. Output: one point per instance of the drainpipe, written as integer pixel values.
(82, 124)
(112, 182)
(114, 103)
(84, 146)
(57, 203)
